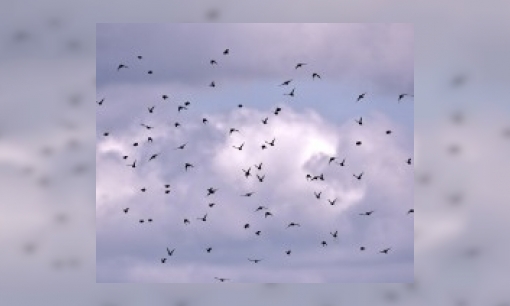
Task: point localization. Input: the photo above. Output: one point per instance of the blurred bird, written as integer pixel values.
(342, 163)
(226, 51)
(331, 159)
(286, 83)
(188, 165)
(267, 214)
(181, 147)
(259, 166)
(362, 96)
(240, 147)
(211, 191)
(151, 109)
(247, 172)
(360, 121)
(146, 126)
(100, 102)
(249, 194)
(332, 202)
(368, 213)
(299, 65)
(315, 75)
(358, 176)
(292, 224)
(212, 84)
(209, 249)
(255, 260)
(291, 93)
(401, 96)
(324, 243)
(213, 62)
(126, 210)
(318, 195)
(153, 157)
(385, 251)
(335, 234)
(121, 66)
(204, 218)
(410, 211)
(265, 120)
(260, 208)
(133, 165)
(222, 279)
(409, 161)
(261, 178)
(170, 253)
(204, 121)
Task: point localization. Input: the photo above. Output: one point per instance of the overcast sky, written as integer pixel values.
(316, 124)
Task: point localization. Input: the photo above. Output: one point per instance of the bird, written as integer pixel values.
(361, 96)
(318, 195)
(164, 97)
(151, 109)
(360, 121)
(121, 66)
(259, 166)
(358, 143)
(249, 194)
(211, 204)
(211, 191)
(150, 220)
(186, 221)
(149, 72)
(126, 210)
(257, 233)
(106, 134)
(324, 243)
(135, 144)
(255, 260)
(291, 93)
(147, 126)
(240, 105)
(261, 178)
(177, 124)
(139, 57)
(358, 176)
(368, 213)
(143, 189)
(267, 214)
(247, 172)
(332, 202)
(411, 211)
(167, 186)
(125, 157)
(331, 159)
(409, 161)
(149, 139)
(204, 121)
(264, 121)
(286, 83)
(246, 226)
(271, 143)
(308, 177)
(209, 249)
(181, 147)
(401, 96)
(163, 260)
(292, 224)
(180, 107)
(226, 51)
(385, 251)
(263, 147)
(204, 218)
(213, 62)
(335, 234)
(260, 208)
(167, 191)
(277, 110)
(232, 130)
(170, 253)
(100, 102)
(222, 279)
(240, 147)
(362, 248)
(388, 132)
(299, 65)
(141, 221)
(315, 75)
(187, 165)
(133, 165)
(288, 252)
(153, 157)
(342, 163)
(212, 84)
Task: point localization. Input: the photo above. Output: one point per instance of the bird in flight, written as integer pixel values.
(164, 97)
(257, 233)
(411, 211)
(261, 178)
(226, 52)
(121, 66)
(291, 93)
(247, 172)
(187, 165)
(315, 75)
(212, 84)
(292, 224)
(324, 243)
(401, 96)
(133, 165)
(204, 218)
(271, 143)
(208, 250)
(153, 157)
(147, 126)
(388, 132)
(149, 139)
(342, 163)
(213, 62)
(246, 226)
(362, 96)
(177, 124)
(358, 143)
(139, 57)
(288, 252)
(181, 147)
(151, 109)
(232, 130)
(267, 214)
(126, 210)
(299, 65)
(249, 194)
(318, 195)
(255, 260)
(260, 208)
(368, 213)
(385, 251)
(149, 72)
(222, 279)
(163, 260)
(277, 111)
(211, 191)
(170, 253)
(409, 161)
(360, 121)
(286, 83)
(265, 120)
(180, 107)
(331, 159)
(362, 248)
(240, 147)
(204, 121)
(259, 166)
(100, 102)
(358, 176)
(335, 234)
(332, 202)
(186, 221)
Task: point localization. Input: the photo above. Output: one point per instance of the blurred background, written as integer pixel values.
(47, 166)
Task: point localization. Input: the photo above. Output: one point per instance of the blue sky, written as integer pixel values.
(313, 126)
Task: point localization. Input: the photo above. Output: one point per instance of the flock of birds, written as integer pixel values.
(248, 172)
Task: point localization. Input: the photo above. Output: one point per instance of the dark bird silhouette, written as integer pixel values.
(226, 51)
(388, 132)
(139, 57)
(335, 234)
(212, 84)
(149, 72)
(100, 102)
(409, 161)
(135, 144)
(411, 211)
(259, 166)
(164, 97)
(177, 124)
(315, 75)
(163, 260)
(222, 279)
(204, 121)
(362, 248)
(240, 106)
(146, 126)
(358, 176)
(291, 93)
(332, 202)
(232, 130)
(362, 96)
(331, 159)
(342, 163)
(401, 96)
(180, 107)
(213, 62)
(255, 260)
(249, 194)
(286, 83)
(277, 111)
(151, 109)
(385, 251)
(247, 226)
(141, 221)
(186, 221)
(271, 143)
(265, 120)
(260, 208)
(308, 177)
(240, 147)
(121, 66)
(170, 253)
(167, 191)
(211, 191)
(143, 189)
(106, 134)
(212, 204)
(149, 139)
(368, 213)
(125, 157)
(288, 252)
(292, 224)
(133, 165)
(150, 220)
(263, 147)
(181, 147)
(204, 218)
(257, 233)
(126, 210)
(358, 143)
(324, 243)
(187, 165)
(209, 249)
(360, 121)
(153, 157)
(317, 195)
(167, 186)
(247, 172)
(261, 178)
(267, 214)
(299, 65)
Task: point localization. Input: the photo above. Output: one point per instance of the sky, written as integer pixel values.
(314, 125)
